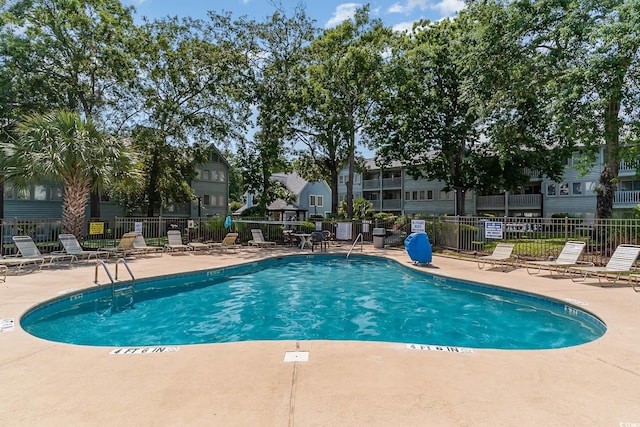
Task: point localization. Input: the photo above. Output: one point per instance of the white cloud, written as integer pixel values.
(408, 7)
(449, 7)
(342, 13)
(445, 7)
(403, 26)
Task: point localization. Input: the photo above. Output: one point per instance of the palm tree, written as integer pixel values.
(62, 146)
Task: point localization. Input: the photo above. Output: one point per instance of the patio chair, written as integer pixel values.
(175, 242)
(258, 239)
(71, 246)
(140, 245)
(125, 246)
(568, 257)
(16, 261)
(318, 239)
(228, 243)
(199, 246)
(501, 255)
(620, 262)
(29, 252)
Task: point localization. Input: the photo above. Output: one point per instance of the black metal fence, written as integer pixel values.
(535, 238)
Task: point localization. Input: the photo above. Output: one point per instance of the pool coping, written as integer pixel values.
(342, 383)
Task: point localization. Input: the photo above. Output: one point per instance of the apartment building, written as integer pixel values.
(44, 199)
(393, 190)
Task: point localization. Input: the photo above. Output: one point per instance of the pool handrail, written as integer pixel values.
(359, 236)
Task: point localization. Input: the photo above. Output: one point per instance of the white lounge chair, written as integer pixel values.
(228, 243)
(258, 239)
(620, 262)
(140, 245)
(71, 246)
(501, 255)
(29, 252)
(175, 242)
(568, 257)
(125, 246)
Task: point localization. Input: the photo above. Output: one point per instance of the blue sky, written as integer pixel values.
(399, 14)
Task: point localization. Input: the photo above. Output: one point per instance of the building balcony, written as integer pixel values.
(626, 199)
(391, 204)
(392, 182)
(371, 184)
(628, 168)
(516, 201)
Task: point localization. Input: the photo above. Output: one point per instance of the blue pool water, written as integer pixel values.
(315, 298)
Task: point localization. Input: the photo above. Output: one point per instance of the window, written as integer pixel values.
(414, 195)
(39, 192)
(407, 195)
(24, 194)
(206, 200)
(315, 200)
(564, 189)
(356, 178)
(341, 179)
(551, 189)
(577, 188)
(429, 194)
(8, 192)
(221, 176)
(421, 195)
(446, 195)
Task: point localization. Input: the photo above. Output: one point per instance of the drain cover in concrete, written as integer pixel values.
(296, 356)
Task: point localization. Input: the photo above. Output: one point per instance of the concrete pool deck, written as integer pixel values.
(342, 384)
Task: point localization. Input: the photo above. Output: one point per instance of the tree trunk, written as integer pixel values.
(74, 204)
(334, 192)
(459, 195)
(611, 160)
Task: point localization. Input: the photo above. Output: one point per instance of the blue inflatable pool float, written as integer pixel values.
(418, 247)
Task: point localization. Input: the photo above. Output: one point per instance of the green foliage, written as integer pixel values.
(234, 206)
(307, 227)
(63, 147)
(73, 55)
(385, 216)
(362, 209)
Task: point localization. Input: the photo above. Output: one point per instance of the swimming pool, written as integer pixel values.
(321, 297)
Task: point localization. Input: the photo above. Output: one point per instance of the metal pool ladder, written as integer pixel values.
(359, 236)
(116, 303)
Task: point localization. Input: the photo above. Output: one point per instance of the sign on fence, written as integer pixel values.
(417, 225)
(493, 230)
(96, 228)
(343, 231)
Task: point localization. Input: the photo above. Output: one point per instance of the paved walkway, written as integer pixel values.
(343, 383)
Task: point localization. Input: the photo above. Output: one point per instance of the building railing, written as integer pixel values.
(391, 204)
(490, 202)
(516, 201)
(525, 200)
(371, 184)
(631, 166)
(392, 182)
(631, 198)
